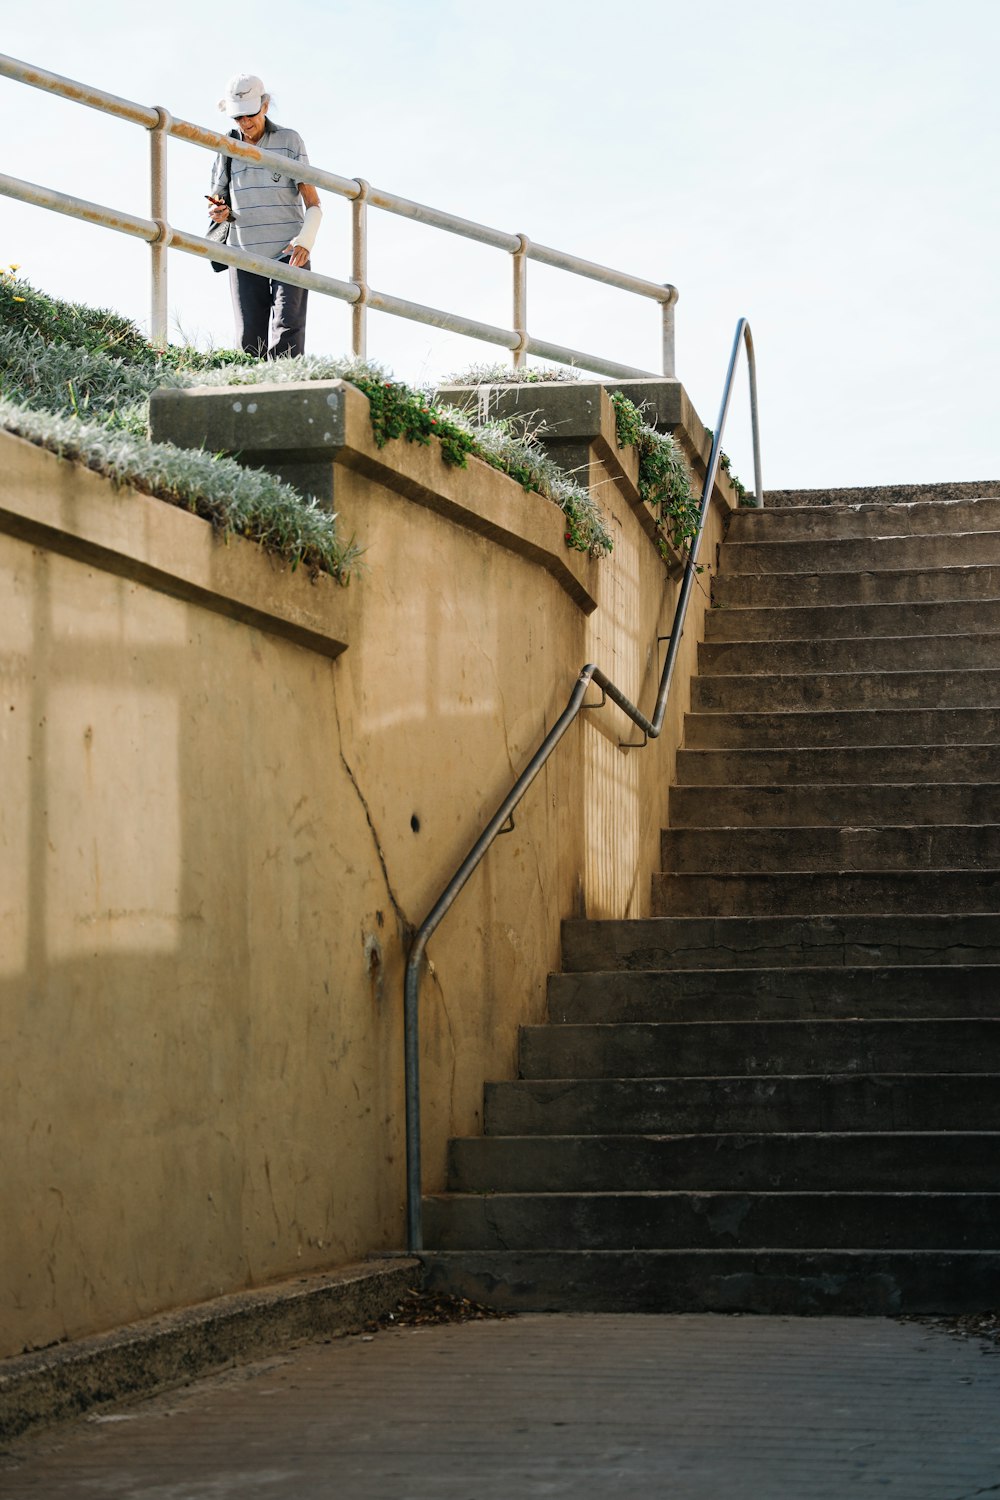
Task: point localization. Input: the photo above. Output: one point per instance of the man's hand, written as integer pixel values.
(218, 211)
(297, 254)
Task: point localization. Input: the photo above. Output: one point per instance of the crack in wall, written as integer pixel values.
(407, 928)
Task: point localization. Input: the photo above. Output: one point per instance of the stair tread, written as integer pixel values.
(793, 1194)
(836, 1078)
(763, 1137)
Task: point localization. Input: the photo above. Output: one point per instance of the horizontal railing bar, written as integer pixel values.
(194, 244)
(593, 362)
(78, 208)
(439, 218)
(78, 93)
(215, 140)
(596, 272)
(344, 187)
(344, 291)
(177, 239)
(421, 213)
(399, 308)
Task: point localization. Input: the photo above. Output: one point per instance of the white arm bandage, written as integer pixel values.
(306, 236)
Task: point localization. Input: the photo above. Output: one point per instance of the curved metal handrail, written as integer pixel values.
(650, 728)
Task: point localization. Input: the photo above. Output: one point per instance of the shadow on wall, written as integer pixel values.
(166, 873)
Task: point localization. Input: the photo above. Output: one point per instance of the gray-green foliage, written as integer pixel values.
(506, 444)
(509, 444)
(499, 374)
(95, 367)
(664, 477)
(237, 501)
(301, 367)
(78, 382)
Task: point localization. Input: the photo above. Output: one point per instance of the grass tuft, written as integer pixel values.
(500, 374)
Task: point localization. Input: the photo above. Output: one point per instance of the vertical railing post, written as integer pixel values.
(669, 352)
(359, 269)
(158, 211)
(520, 258)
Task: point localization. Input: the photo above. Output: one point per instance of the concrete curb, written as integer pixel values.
(51, 1385)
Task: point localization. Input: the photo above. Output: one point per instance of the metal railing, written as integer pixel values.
(503, 819)
(161, 236)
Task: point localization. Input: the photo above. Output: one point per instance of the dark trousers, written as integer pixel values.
(270, 315)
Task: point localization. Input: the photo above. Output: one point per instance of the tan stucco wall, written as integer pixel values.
(207, 859)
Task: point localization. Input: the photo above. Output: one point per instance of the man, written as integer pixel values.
(270, 214)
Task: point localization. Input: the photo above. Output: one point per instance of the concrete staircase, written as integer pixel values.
(782, 1092)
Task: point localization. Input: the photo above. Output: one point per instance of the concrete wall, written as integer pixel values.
(226, 793)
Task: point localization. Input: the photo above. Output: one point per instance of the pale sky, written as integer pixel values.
(828, 172)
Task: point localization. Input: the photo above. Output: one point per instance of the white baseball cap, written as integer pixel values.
(244, 95)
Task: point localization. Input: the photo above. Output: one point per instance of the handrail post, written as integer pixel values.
(520, 259)
(754, 423)
(158, 212)
(359, 269)
(669, 352)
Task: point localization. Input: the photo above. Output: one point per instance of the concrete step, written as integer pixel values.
(818, 1162)
(766, 1105)
(924, 849)
(807, 893)
(945, 768)
(875, 584)
(836, 728)
(750, 1049)
(847, 554)
(902, 653)
(792, 1283)
(799, 692)
(940, 493)
(774, 994)
(853, 940)
(705, 1221)
(835, 805)
(844, 621)
(919, 518)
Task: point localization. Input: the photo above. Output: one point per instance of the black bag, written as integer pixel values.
(220, 232)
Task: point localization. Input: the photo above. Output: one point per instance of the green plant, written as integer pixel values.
(98, 331)
(398, 411)
(24, 309)
(743, 497)
(664, 478)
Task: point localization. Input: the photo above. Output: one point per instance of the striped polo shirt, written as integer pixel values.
(265, 207)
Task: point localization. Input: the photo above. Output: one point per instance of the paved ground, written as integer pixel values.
(694, 1408)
